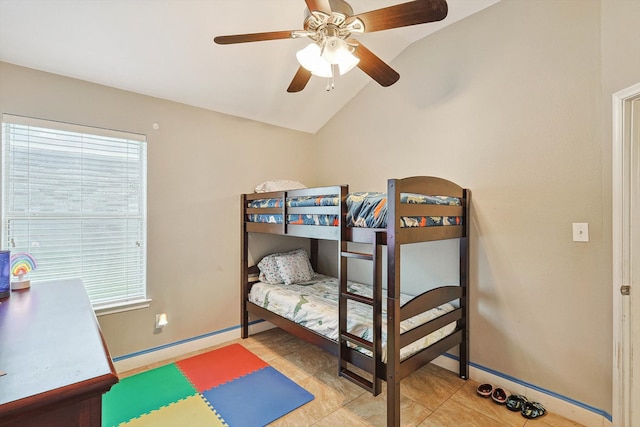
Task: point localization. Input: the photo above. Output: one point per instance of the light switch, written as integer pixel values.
(580, 232)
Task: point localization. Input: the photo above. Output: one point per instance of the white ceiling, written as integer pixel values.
(164, 48)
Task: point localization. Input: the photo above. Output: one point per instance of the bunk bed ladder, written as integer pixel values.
(345, 338)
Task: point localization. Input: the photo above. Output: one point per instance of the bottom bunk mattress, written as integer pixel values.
(314, 305)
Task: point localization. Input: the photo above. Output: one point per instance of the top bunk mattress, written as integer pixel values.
(314, 305)
(364, 209)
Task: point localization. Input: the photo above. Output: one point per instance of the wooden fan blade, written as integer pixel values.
(403, 15)
(300, 80)
(254, 37)
(375, 67)
(319, 5)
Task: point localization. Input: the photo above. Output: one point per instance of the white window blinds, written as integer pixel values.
(74, 197)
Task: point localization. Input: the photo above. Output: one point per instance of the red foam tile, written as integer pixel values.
(220, 366)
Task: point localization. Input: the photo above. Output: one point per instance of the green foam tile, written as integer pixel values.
(140, 394)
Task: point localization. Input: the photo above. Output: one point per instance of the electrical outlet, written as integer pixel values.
(580, 232)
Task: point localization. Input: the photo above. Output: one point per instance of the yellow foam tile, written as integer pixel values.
(192, 411)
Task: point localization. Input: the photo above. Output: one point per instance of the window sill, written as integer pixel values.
(105, 310)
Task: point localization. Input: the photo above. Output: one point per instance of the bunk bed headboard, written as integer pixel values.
(396, 235)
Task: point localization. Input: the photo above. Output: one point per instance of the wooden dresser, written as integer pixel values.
(56, 362)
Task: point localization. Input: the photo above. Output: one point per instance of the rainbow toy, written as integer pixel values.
(21, 264)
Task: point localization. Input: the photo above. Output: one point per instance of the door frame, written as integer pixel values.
(621, 245)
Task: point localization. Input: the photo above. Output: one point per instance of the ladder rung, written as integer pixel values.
(366, 344)
(357, 379)
(359, 298)
(357, 255)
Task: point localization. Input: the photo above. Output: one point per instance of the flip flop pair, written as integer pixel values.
(485, 390)
(497, 394)
(516, 402)
(529, 410)
(533, 410)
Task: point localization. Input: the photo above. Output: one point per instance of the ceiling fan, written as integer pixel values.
(330, 24)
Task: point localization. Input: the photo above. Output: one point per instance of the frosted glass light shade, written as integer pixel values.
(310, 58)
(347, 62)
(336, 51)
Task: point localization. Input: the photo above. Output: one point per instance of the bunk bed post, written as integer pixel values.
(393, 306)
(377, 312)
(464, 283)
(244, 268)
(313, 253)
(342, 279)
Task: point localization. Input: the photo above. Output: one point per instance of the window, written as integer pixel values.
(74, 197)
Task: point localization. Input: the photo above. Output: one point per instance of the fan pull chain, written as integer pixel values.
(330, 84)
(331, 80)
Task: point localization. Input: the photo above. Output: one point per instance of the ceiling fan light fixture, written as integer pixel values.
(320, 60)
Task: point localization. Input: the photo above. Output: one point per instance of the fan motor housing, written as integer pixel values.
(331, 25)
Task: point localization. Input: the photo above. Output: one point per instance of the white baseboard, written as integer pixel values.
(552, 403)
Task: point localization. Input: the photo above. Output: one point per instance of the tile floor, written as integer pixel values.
(431, 396)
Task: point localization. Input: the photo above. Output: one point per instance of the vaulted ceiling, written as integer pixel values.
(165, 49)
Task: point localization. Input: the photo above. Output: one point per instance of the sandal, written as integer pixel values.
(516, 402)
(485, 390)
(532, 410)
(499, 395)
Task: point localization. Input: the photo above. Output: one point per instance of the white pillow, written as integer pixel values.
(294, 267)
(279, 185)
(269, 270)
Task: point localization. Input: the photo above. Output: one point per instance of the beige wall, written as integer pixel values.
(199, 162)
(513, 103)
(509, 104)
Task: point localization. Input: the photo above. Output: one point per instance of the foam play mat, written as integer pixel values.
(229, 386)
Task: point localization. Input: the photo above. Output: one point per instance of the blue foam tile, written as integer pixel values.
(257, 399)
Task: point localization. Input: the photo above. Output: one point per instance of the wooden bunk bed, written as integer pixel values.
(348, 347)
